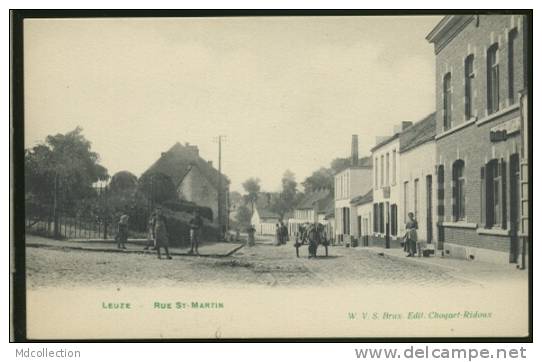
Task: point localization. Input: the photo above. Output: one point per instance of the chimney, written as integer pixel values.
(355, 155)
(405, 125)
(193, 149)
(401, 127)
(210, 163)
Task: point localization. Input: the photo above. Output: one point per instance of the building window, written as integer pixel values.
(458, 190)
(469, 81)
(447, 101)
(382, 170)
(393, 217)
(493, 79)
(416, 182)
(375, 218)
(394, 167)
(405, 201)
(495, 194)
(512, 45)
(387, 169)
(376, 173)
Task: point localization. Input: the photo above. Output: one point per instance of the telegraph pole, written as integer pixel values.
(220, 200)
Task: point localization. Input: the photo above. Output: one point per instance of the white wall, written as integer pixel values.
(417, 163)
(388, 179)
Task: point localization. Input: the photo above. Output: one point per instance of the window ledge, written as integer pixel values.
(460, 225)
(456, 128)
(496, 231)
(497, 114)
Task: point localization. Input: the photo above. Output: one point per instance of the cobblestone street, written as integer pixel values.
(263, 264)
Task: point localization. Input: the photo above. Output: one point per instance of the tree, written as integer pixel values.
(61, 171)
(123, 181)
(122, 192)
(321, 178)
(244, 216)
(157, 187)
(285, 200)
(252, 188)
(324, 176)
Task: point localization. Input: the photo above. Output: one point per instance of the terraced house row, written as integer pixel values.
(462, 170)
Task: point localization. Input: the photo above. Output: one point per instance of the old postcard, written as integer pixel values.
(307, 176)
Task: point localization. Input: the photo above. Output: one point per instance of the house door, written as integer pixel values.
(429, 198)
(515, 201)
(359, 227)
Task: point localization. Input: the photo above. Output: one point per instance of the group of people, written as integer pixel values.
(411, 244)
(281, 233)
(158, 234)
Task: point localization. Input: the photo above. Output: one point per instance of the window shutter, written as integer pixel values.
(503, 193)
(490, 202)
(483, 195)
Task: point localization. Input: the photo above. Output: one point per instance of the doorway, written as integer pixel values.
(429, 208)
(440, 207)
(515, 204)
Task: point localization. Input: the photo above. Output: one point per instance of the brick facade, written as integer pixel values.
(469, 139)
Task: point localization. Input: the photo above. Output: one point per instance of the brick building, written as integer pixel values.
(479, 77)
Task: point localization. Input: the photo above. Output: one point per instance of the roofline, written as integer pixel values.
(438, 28)
(354, 168)
(406, 149)
(455, 23)
(385, 142)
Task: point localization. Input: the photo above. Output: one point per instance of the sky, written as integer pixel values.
(287, 92)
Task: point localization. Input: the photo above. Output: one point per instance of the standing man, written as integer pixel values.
(314, 240)
(196, 224)
(150, 234)
(251, 231)
(122, 235)
(161, 235)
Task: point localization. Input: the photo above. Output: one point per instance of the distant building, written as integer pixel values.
(264, 221)
(386, 188)
(354, 180)
(364, 212)
(196, 179)
(417, 192)
(481, 70)
(312, 208)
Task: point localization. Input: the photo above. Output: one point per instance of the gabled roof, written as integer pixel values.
(419, 133)
(179, 160)
(267, 214)
(384, 142)
(314, 199)
(326, 205)
(363, 199)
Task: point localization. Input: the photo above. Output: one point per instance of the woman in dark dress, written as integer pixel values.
(411, 235)
(161, 237)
